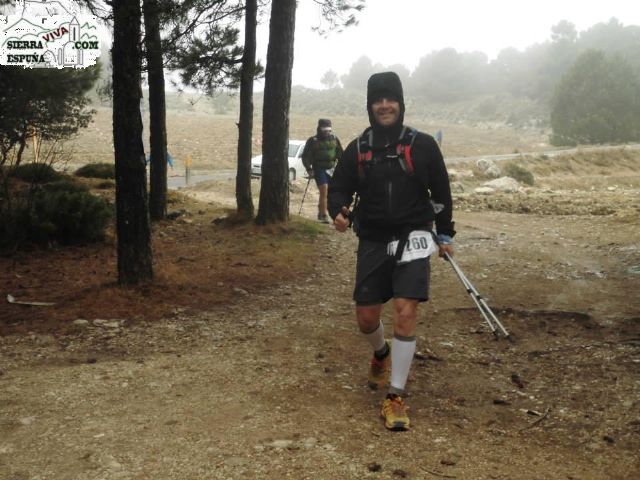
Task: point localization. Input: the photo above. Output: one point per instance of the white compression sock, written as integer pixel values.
(376, 338)
(402, 350)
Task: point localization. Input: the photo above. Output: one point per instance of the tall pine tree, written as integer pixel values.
(132, 216)
(274, 189)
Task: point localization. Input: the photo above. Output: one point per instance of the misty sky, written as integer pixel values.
(402, 31)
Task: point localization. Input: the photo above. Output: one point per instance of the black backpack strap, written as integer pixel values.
(404, 147)
(365, 153)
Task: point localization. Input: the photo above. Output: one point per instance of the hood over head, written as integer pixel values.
(324, 126)
(385, 85)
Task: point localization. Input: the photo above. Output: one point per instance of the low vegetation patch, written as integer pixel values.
(44, 214)
(582, 163)
(519, 173)
(97, 170)
(35, 173)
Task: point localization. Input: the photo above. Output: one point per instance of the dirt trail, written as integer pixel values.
(275, 385)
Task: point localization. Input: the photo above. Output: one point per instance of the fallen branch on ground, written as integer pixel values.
(531, 425)
(12, 299)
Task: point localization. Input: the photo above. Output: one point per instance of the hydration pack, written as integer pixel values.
(323, 152)
(402, 151)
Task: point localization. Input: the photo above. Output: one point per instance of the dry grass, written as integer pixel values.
(585, 169)
(211, 140)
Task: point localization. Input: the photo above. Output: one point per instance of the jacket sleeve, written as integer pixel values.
(307, 158)
(344, 182)
(440, 189)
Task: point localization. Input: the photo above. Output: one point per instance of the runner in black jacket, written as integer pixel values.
(402, 186)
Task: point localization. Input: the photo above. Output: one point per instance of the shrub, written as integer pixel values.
(97, 170)
(35, 173)
(78, 217)
(56, 213)
(521, 174)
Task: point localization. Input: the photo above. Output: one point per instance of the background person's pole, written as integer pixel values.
(304, 195)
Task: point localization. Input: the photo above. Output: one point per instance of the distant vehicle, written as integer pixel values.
(296, 168)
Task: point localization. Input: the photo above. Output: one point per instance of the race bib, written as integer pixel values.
(420, 244)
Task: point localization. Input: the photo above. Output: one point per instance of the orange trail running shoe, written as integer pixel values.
(394, 412)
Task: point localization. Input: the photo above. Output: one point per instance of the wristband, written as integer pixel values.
(444, 239)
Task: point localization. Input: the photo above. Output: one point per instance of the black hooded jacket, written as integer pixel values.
(392, 201)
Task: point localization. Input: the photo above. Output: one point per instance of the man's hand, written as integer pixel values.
(445, 245)
(445, 248)
(342, 222)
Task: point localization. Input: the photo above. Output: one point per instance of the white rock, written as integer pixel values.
(309, 442)
(27, 421)
(81, 322)
(281, 443)
(503, 184)
(488, 167)
(107, 323)
(484, 190)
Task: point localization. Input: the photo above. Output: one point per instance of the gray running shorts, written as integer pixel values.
(378, 278)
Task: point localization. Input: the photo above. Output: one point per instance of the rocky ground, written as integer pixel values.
(273, 385)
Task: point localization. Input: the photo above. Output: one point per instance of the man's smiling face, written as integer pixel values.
(385, 111)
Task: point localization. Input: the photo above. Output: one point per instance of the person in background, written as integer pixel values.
(402, 188)
(169, 160)
(320, 155)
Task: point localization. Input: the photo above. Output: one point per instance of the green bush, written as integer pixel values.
(521, 174)
(78, 217)
(35, 173)
(55, 215)
(97, 170)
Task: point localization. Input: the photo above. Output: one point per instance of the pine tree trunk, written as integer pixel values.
(274, 190)
(132, 224)
(157, 113)
(244, 199)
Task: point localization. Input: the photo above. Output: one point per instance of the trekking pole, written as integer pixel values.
(304, 195)
(485, 306)
(464, 281)
(480, 302)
